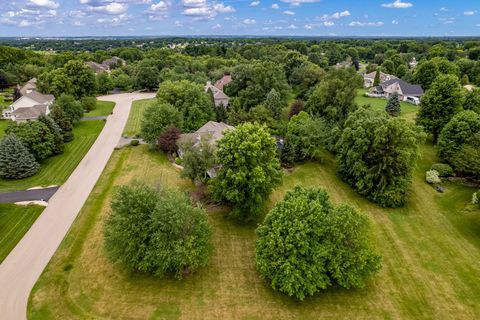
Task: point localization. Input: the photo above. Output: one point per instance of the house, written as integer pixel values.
(106, 65)
(28, 87)
(226, 79)
(402, 88)
(212, 132)
(413, 63)
(219, 97)
(29, 107)
(97, 67)
(369, 78)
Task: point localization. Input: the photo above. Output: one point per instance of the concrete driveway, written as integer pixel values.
(21, 269)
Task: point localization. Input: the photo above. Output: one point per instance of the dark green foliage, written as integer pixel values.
(440, 103)
(167, 141)
(157, 232)
(81, 77)
(393, 105)
(157, 118)
(16, 162)
(253, 81)
(306, 136)
(377, 155)
(3, 81)
(56, 131)
(472, 101)
(467, 159)
(190, 99)
(426, 73)
(88, 103)
(71, 107)
(306, 244)
(134, 142)
(60, 118)
(36, 136)
(443, 169)
(105, 83)
(458, 131)
(376, 80)
(274, 104)
(197, 158)
(250, 169)
(295, 108)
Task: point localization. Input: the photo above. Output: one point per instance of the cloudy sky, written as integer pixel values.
(240, 17)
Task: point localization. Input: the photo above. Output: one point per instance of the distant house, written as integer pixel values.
(369, 78)
(413, 63)
(29, 107)
(226, 79)
(219, 97)
(106, 65)
(402, 88)
(212, 132)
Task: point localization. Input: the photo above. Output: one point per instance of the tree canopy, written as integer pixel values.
(16, 162)
(157, 118)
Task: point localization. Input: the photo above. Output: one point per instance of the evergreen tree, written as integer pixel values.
(273, 103)
(16, 162)
(393, 105)
(376, 81)
(60, 118)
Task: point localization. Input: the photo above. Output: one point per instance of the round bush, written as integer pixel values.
(134, 142)
(443, 169)
(432, 177)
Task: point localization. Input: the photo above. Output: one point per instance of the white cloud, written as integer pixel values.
(299, 2)
(201, 11)
(178, 24)
(398, 4)
(249, 21)
(254, 3)
(121, 19)
(217, 26)
(110, 8)
(334, 16)
(194, 3)
(443, 9)
(328, 23)
(292, 26)
(394, 21)
(308, 26)
(365, 24)
(469, 13)
(43, 3)
(289, 12)
(160, 6)
(275, 6)
(221, 8)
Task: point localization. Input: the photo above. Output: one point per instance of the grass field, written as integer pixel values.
(14, 223)
(132, 127)
(103, 108)
(3, 126)
(55, 170)
(430, 249)
(408, 110)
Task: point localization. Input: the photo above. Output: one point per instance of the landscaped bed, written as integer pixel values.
(430, 249)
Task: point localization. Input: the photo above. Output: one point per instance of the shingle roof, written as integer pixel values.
(226, 79)
(40, 97)
(407, 88)
(383, 76)
(213, 130)
(29, 86)
(30, 113)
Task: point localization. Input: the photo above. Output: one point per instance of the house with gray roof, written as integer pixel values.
(402, 88)
(218, 96)
(29, 107)
(369, 78)
(29, 86)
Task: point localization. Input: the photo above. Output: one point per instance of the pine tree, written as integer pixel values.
(16, 162)
(393, 105)
(376, 81)
(273, 103)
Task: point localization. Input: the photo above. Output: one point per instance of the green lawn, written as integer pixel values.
(132, 128)
(14, 223)
(103, 108)
(3, 126)
(55, 170)
(430, 249)
(408, 110)
(3, 101)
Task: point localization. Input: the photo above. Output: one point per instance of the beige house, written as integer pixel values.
(29, 107)
(219, 97)
(369, 78)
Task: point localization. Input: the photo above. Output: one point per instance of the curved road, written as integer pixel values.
(21, 269)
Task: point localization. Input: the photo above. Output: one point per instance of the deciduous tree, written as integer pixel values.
(157, 118)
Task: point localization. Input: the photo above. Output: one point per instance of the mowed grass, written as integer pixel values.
(408, 110)
(3, 126)
(55, 170)
(132, 128)
(14, 223)
(430, 249)
(103, 108)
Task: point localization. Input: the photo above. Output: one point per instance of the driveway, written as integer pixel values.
(28, 195)
(21, 269)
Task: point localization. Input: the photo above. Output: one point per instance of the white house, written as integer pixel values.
(402, 88)
(29, 107)
(369, 78)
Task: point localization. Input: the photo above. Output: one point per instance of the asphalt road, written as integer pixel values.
(21, 269)
(28, 195)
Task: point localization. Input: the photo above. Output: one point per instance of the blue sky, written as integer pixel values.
(240, 17)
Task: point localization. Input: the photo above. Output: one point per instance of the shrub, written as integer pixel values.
(16, 162)
(36, 136)
(306, 244)
(134, 142)
(167, 141)
(88, 103)
(443, 169)
(476, 198)
(157, 231)
(178, 161)
(432, 177)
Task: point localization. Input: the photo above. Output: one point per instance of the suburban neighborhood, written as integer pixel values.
(239, 160)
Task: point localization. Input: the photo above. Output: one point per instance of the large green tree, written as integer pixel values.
(377, 155)
(36, 136)
(249, 169)
(16, 162)
(71, 107)
(306, 244)
(56, 131)
(82, 78)
(157, 231)
(426, 73)
(157, 118)
(440, 103)
(190, 99)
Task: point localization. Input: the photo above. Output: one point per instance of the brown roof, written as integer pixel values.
(30, 113)
(96, 67)
(226, 79)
